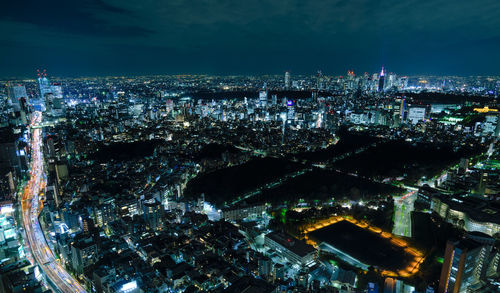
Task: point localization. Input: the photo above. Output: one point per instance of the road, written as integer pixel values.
(59, 278)
(403, 206)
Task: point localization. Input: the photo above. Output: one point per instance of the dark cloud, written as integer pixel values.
(73, 17)
(259, 36)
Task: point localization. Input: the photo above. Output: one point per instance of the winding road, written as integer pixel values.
(58, 277)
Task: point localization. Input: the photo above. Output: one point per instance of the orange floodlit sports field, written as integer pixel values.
(368, 245)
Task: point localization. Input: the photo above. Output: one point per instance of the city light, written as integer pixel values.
(129, 287)
(274, 166)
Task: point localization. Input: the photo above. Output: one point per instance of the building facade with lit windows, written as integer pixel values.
(463, 265)
(153, 211)
(469, 213)
(295, 250)
(242, 212)
(83, 253)
(128, 207)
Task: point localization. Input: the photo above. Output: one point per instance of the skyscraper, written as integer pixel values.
(462, 266)
(152, 213)
(381, 80)
(16, 92)
(287, 79)
(319, 79)
(263, 97)
(44, 87)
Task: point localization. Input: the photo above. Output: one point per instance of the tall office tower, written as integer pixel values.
(291, 110)
(398, 114)
(263, 97)
(351, 82)
(283, 129)
(265, 266)
(274, 100)
(15, 93)
(152, 213)
(381, 80)
(462, 266)
(374, 82)
(18, 104)
(287, 79)
(57, 103)
(44, 87)
(391, 81)
(319, 79)
(403, 82)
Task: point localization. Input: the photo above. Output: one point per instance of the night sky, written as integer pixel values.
(125, 37)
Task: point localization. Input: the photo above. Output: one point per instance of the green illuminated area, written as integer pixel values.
(451, 120)
(283, 215)
(490, 165)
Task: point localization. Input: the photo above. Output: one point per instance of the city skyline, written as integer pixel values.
(98, 38)
(323, 146)
(303, 184)
(55, 77)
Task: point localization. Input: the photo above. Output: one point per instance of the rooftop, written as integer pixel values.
(293, 244)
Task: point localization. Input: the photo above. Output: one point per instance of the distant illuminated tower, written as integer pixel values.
(319, 77)
(45, 88)
(263, 97)
(287, 79)
(283, 117)
(381, 80)
(43, 83)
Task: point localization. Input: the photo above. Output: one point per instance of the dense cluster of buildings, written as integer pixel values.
(119, 152)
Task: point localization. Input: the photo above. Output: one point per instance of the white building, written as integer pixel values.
(416, 114)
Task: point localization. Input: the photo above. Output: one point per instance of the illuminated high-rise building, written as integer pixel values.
(263, 97)
(265, 266)
(15, 93)
(381, 80)
(287, 79)
(54, 101)
(153, 213)
(44, 88)
(403, 82)
(462, 266)
(84, 253)
(391, 82)
(416, 114)
(18, 104)
(319, 79)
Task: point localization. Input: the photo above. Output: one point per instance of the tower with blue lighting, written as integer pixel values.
(381, 80)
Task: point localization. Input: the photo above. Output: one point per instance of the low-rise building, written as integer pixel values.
(295, 250)
(469, 213)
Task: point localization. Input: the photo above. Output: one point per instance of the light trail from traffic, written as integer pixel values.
(41, 252)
